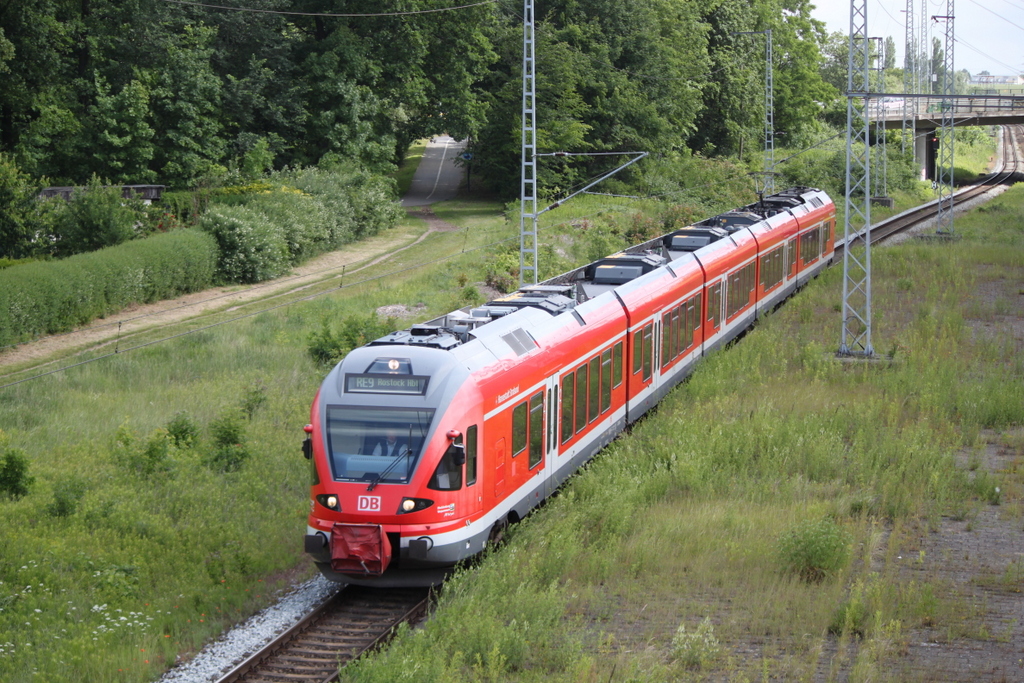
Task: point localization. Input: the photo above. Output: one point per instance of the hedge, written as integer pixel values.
(54, 296)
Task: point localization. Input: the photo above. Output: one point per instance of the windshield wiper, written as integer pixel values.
(387, 470)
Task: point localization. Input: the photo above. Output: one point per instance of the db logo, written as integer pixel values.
(368, 504)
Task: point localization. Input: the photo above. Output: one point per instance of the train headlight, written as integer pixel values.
(413, 505)
(329, 501)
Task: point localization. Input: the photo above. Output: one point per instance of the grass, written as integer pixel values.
(679, 523)
(675, 523)
(180, 541)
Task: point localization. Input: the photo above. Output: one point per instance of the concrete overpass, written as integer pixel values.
(924, 114)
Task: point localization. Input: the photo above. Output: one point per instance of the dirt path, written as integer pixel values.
(133, 320)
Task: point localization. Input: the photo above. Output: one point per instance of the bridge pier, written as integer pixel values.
(924, 155)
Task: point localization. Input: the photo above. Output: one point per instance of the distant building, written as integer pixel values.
(988, 79)
(147, 193)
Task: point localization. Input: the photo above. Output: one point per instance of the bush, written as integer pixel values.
(14, 477)
(695, 648)
(305, 222)
(182, 430)
(327, 347)
(252, 248)
(229, 449)
(17, 205)
(96, 217)
(67, 494)
(814, 550)
(54, 296)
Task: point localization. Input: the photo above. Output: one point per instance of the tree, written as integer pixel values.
(17, 199)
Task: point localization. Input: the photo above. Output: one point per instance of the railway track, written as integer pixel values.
(352, 622)
(1011, 164)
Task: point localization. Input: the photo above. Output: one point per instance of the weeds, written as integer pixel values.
(815, 550)
(697, 648)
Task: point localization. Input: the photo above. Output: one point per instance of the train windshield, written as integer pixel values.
(370, 444)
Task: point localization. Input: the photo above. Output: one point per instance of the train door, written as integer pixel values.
(551, 434)
(499, 468)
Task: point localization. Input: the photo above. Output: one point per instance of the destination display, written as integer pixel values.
(386, 384)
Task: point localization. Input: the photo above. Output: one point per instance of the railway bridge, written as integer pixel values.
(923, 115)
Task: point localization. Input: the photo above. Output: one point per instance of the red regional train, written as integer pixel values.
(427, 442)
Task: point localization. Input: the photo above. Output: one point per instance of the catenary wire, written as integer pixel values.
(325, 14)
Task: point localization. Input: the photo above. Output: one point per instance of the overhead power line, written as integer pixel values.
(329, 14)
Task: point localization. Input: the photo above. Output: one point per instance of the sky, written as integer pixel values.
(988, 34)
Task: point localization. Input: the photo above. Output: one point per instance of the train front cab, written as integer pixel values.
(381, 520)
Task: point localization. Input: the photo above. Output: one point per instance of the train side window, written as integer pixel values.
(666, 338)
(595, 387)
(617, 365)
(448, 474)
(536, 428)
(714, 303)
(606, 380)
(581, 398)
(696, 313)
(638, 351)
(677, 330)
(567, 408)
(471, 456)
(519, 429)
(791, 255)
(648, 349)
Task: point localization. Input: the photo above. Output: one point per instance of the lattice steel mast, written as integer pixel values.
(856, 335)
(910, 79)
(944, 221)
(528, 176)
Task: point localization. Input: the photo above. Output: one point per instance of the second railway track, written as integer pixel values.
(913, 218)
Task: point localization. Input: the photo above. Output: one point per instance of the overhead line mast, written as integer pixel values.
(856, 334)
(528, 175)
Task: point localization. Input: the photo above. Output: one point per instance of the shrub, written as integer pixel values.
(814, 549)
(254, 398)
(96, 217)
(17, 200)
(327, 347)
(67, 494)
(54, 296)
(229, 449)
(145, 459)
(304, 221)
(182, 430)
(14, 477)
(252, 248)
(695, 648)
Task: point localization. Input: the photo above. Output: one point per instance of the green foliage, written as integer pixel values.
(327, 347)
(252, 248)
(814, 550)
(15, 480)
(48, 297)
(229, 450)
(254, 398)
(696, 648)
(17, 200)
(95, 217)
(67, 495)
(182, 430)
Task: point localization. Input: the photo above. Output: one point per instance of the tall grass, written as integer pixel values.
(681, 526)
(181, 538)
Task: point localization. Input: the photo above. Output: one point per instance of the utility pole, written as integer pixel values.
(944, 221)
(856, 335)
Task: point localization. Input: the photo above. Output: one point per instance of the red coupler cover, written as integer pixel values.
(361, 549)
